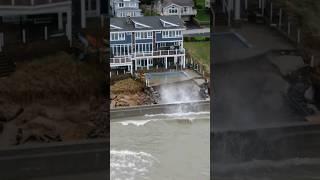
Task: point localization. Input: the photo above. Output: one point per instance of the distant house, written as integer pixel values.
(146, 42)
(183, 8)
(125, 8)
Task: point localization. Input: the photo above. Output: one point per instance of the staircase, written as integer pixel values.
(6, 65)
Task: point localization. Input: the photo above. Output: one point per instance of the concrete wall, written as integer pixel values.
(26, 161)
(285, 142)
(160, 108)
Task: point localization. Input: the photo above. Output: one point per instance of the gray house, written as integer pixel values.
(146, 42)
(125, 8)
(183, 8)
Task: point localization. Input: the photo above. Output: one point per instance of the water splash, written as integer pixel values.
(179, 93)
(188, 116)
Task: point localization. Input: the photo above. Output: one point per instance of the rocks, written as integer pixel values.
(9, 112)
(44, 124)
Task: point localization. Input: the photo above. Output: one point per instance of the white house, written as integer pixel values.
(182, 8)
(145, 42)
(125, 8)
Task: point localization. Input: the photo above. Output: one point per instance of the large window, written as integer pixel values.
(120, 49)
(143, 47)
(143, 35)
(120, 4)
(173, 10)
(171, 34)
(117, 36)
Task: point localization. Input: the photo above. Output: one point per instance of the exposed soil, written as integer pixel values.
(55, 98)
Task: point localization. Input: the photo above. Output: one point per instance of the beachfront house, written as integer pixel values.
(23, 21)
(125, 8)
(182, 8)
(146, 42)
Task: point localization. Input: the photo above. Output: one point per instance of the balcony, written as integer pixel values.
(161, 53)
(31, 7)
(120, 61)
(29, 2)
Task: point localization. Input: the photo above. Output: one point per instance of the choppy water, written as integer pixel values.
(161, 147)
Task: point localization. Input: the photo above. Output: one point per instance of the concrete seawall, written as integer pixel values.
(196, 106)
(276, 143)
(30, 161)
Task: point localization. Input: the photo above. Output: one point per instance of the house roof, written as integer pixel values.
(178, 2)
(146, 23)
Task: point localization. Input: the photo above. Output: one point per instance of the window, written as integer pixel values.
(185, 9)
(117, 36)
(171, 34)
(144, 35)
(120, 4)
(143, 47)
(120, 49)
(173, 10)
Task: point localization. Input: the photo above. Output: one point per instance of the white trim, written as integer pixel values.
(151, 30)
(166, 22)
(140, 24)
(119, 36)
(114, 27)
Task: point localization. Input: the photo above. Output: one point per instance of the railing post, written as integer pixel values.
(299, 36)
(13, 2)
(32, 2)
(45, 33)
(24, 36)
(280, 17)
(271, 12)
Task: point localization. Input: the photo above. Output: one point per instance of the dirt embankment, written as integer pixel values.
(130, 92)
(55, 98)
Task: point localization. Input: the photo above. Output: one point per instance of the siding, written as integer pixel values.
(126, 41)
(144, 41)
(160, 39)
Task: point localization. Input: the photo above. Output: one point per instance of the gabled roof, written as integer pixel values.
(146, 23)
(166, 3)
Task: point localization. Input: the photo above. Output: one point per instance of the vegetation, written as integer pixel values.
(203, 14)
(53, 78)
(200, 4)
(200, 52)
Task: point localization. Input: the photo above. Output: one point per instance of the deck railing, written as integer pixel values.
(120, 60)
(29, 2)
(160, 53)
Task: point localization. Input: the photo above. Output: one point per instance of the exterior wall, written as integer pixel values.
(127, 40)
(159, 38)
(180, 10)
(120, 11)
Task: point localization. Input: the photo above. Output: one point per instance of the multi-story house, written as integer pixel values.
(19, 19)
(183, 8)
(144, 42)
(125, 8)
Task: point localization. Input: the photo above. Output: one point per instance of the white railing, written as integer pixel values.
(120, 60)
(30, 2)
(160, 53)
